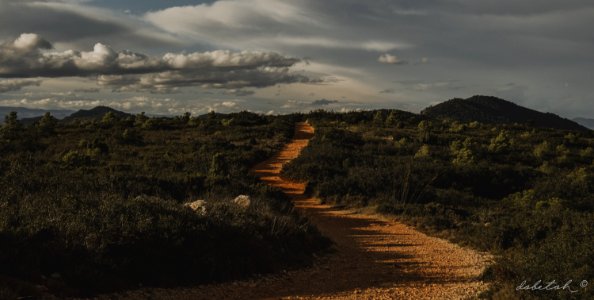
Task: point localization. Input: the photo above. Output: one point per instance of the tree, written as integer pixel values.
(185, 118)
(587, 153)
(47, 123)
(391, 120)
(562, 153)
(12, 127)
(131, 136)
(195, 121)
(218, 166)
(457, 127)
(500, 143)
(424, 131)
(378, 119)
(462, 152)
(423, 152)
(140, 120)
(108, 119)
(211, 121)
(542, 150)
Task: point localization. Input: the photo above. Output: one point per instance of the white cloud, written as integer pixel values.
(30, 41)
(226, 59)
(269, 24)
(380, 46)
(387, 58)
(229, 104)
(540, 44)
(247, 15)
(29, 56)
(239, 92)
(326, 42)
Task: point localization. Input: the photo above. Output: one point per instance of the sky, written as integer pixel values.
(281, 56)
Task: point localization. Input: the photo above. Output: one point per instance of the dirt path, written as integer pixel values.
(375, 258)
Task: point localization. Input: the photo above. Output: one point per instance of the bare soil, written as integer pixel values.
(374, 257)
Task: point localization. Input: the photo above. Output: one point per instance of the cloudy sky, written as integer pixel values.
(277, 56)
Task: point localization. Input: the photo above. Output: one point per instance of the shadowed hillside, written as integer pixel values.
(488, 109)
(585, 122)
(96, 113)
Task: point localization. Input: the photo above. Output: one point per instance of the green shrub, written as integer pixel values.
(529, 205)
(100, 207)
(423, 152)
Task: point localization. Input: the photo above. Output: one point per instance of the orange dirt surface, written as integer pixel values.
(375, 257)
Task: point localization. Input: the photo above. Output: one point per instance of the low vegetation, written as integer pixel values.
(95, 205)
(524, 194)
(91, 205)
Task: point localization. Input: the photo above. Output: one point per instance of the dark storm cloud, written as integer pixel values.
(323, 102)
(285, 25)
(501, 7)
(472, 32)
(171, 81)
(454, 48)
(72, 23)
(26, 17)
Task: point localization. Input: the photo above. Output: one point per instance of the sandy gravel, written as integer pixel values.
(374, 256)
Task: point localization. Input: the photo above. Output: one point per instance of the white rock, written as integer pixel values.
(198, 206)
(243, 201)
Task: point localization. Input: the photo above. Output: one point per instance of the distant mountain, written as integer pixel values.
(585, 122)
(27, 113)
(487, 109)
(95, 114)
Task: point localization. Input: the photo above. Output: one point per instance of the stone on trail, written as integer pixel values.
(243, 201)
(198, 206)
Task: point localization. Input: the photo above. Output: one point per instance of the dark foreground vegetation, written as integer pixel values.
(525, 194)
(92, 205)
(95, 205)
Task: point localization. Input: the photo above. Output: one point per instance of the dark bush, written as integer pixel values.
(100, 208)
(532, 207)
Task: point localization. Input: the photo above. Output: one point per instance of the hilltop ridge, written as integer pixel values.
(489, 109)
(96, 113)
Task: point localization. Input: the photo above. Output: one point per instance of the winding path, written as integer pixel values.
(375, 257)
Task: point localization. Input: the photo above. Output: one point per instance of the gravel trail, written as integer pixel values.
(374, 257)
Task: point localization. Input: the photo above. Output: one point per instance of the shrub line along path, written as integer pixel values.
(375, 257)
